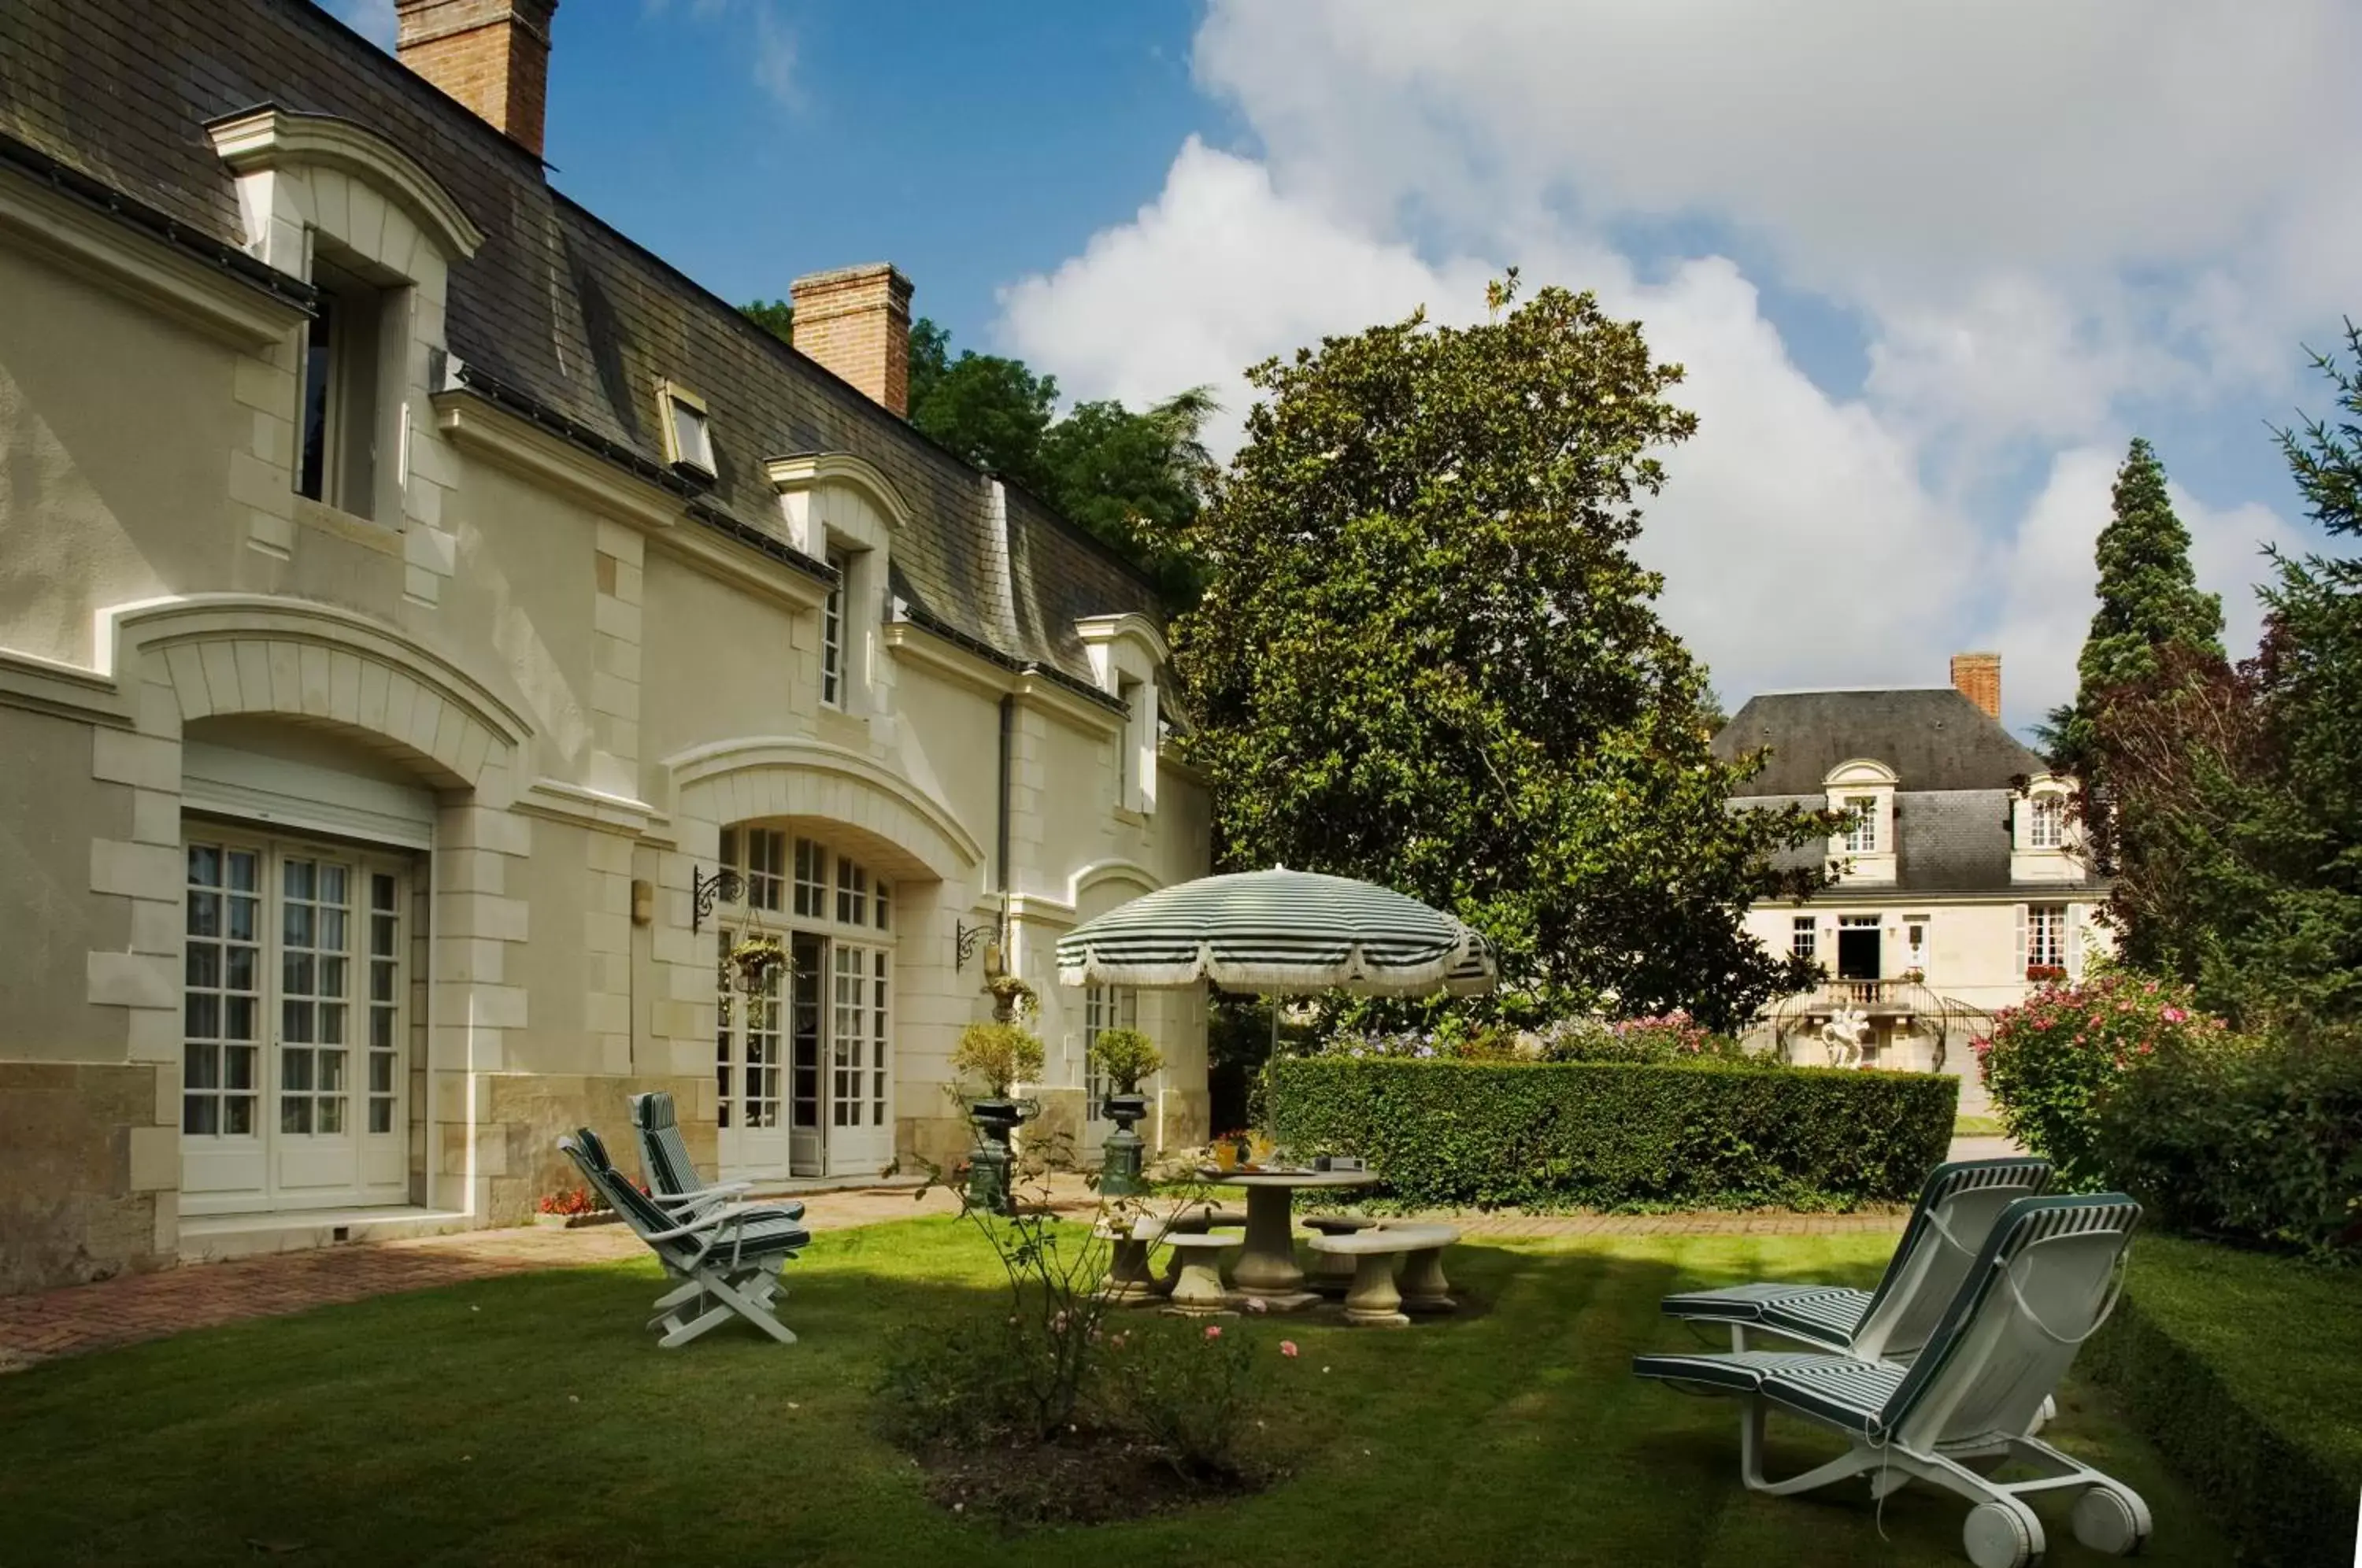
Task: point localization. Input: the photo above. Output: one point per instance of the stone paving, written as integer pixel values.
(132, 1308)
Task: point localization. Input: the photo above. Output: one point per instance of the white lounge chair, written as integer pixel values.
(2044, 1281)
(1957, 1209)
(727, 1259)
(673, 1180)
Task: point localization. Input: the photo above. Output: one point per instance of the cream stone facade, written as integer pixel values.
(351, 843)
(1958, 887)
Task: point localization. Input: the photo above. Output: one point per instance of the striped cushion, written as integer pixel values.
(1823, 1314)
(662, 1148)
(1834, 1388)
(765, 1235)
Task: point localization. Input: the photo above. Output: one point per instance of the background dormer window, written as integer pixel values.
(2046, 824)
(831, 633)
(689, 443)
(336, 464)
(1861, 831)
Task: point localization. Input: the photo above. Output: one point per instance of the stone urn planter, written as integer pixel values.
(987, 1172)
(1119, 1156)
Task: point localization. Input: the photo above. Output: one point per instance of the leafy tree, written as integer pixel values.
(2149, 602)
(2236, 796)
(777, 318)
(1427, 657)
(992, 411)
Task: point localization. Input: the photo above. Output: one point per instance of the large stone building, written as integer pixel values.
(1958, 890)
(414, 593)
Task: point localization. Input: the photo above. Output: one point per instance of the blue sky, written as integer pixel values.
(1928, 269)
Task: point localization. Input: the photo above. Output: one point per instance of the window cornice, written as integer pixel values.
(272, 138)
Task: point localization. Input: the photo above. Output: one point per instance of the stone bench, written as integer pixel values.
(1332, 1273)
(1374, 1301)
(1198, 1290)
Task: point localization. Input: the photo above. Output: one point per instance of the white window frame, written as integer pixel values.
(1104, 1007)
(2046, 936)
(833, 638)
(2045, 822)
(1861, 831)
(1805, 938)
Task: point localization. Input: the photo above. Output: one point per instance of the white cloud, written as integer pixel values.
(2047, 217)
(767, 43)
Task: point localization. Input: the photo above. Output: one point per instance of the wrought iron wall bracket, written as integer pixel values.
(963, 941)
(703, 889)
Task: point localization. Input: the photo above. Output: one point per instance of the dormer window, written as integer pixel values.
(1861, 833)
(2045, 822)
(689, 442)
(336, 461)
(832, 632)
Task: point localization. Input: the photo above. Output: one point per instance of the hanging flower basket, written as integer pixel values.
(756, 961)
(1012, 998)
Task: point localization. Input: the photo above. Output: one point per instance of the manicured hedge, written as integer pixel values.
(1610, 1134)
(2243, 1368)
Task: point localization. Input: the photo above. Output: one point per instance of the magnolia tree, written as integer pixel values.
(1427, 658)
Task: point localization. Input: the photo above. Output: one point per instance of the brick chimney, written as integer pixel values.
(1978, 677)
(491, 55)
(856, 321)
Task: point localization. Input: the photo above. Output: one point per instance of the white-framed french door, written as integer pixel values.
(1104, 1007)
(295, 1033)
(804, 1066)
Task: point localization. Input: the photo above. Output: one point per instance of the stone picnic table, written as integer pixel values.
(1266, 1268)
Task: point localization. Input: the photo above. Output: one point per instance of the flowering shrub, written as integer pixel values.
(581, 1201)
(1191, 1392)
(1662, 1037)
(2049, 1059)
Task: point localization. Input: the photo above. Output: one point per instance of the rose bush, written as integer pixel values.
(2049, 1060)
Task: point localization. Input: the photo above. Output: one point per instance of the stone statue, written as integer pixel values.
(1844, 1035)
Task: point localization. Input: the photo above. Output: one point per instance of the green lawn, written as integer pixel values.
(532, 1420)
(1978, 1127)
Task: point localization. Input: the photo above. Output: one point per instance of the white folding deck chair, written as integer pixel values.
(1958, 1206)
(727, 1259)
(2044, 1281)
(672, 1176)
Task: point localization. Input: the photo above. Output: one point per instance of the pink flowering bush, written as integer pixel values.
(2051, 1060)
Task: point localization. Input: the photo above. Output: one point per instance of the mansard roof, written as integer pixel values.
(1934, 739)
(557, 314)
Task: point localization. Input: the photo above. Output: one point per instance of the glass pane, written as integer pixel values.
(237, 1019)
(381, 980)
(204, 1015)
(204, 914)
(204, 865)
(294, 1114)
(332, 884)
(241, 870)
(201, 1067)
(331, 977)
(240, 1060)
(297, 928)
(380, 1116)
(242, 922)
(381, 1028)
(295, 973)
(203, 967)
(298, 878)
(240, 976)
(332, 1023)
(295, 1071)
(295, 1022)
(381, 1071)
(382, 936)
(332, 1116)
(331, 931)
(200, 1113)
(381, 890)
(238, 1115)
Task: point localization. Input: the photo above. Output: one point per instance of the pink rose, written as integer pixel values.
(1213, 1330)
(2174, 1015)
(1288, 1349)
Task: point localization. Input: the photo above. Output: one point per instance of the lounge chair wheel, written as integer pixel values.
(2108, 1521)
(1999, 1535)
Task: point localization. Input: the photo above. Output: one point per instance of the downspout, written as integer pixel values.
(1001, 850)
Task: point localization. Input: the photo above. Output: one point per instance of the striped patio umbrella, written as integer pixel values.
(1278, 932)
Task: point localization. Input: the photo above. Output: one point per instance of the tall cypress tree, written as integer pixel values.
(2149, 602)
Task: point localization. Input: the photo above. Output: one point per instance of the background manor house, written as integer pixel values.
(414, 592)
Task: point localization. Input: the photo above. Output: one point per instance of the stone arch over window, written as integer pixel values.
(870, 808)
(224, 655)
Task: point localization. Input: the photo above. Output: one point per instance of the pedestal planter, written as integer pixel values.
(987, 1170)
(1119, 1156)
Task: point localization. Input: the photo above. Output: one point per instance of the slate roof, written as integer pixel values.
(1934, 739)
(557, 311)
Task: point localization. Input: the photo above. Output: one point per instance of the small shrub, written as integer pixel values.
(580, 1200)
(1128, 1057)
(1192, 1391)
(997, 1056)
(1663, 1037)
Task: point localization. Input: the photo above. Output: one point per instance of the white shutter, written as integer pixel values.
(290, 792)
(2020, 973)
(2074, 942)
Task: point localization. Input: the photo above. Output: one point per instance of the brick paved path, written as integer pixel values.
(138, 1307)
